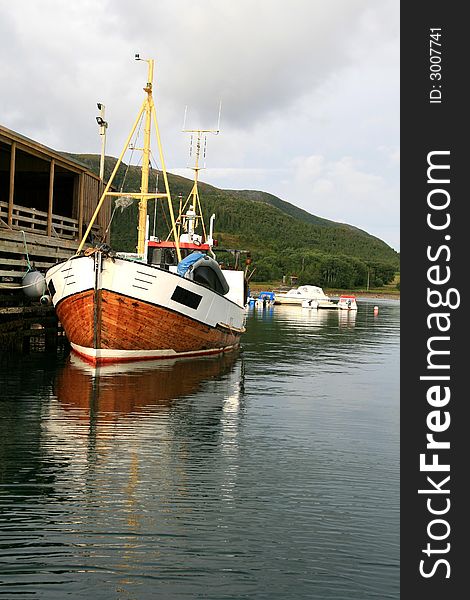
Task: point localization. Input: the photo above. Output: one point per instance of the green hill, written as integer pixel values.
(283, 239)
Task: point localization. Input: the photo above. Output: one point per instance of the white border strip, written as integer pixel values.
(98, 354)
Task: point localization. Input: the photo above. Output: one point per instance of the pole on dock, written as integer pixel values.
(103, 125)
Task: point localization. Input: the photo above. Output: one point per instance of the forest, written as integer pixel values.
(281, 239)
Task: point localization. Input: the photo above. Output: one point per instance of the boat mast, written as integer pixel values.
(144, 185)
(148, 111)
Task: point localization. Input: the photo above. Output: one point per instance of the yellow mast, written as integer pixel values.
(148, 110)
(144, 186)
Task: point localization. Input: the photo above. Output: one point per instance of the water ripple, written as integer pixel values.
(267, 474)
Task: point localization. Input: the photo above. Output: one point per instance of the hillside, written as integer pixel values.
(289, 209)
(282, 238)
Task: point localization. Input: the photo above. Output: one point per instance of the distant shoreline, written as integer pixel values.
(380, 295)
(371, 295)
(365, 294)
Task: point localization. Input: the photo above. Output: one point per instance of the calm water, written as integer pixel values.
(272, 473)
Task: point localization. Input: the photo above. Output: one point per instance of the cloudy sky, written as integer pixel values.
(309, 91)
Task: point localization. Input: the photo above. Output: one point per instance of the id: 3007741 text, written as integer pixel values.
(435, 65)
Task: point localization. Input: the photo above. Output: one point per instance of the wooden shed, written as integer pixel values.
(46, 202)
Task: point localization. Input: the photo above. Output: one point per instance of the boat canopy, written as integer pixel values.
(205, 270)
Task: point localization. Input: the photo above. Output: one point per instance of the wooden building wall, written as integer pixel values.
(46, 202)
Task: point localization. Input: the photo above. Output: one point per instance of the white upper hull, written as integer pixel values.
(114, 309)
(304, 293)
(146, 283)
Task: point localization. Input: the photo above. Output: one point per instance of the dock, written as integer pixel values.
(24, 328)
(47, 199)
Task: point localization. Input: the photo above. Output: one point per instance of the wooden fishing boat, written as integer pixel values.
(169, 299)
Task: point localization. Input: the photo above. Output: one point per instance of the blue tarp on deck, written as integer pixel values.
(184, 264)
(267, 295)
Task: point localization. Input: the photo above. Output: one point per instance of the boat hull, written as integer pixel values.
(289, 301)
(303, 301)
(116, 320)
(305, 293)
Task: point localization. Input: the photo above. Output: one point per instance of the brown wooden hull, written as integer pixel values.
(109, 322)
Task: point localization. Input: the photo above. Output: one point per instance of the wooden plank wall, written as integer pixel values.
(44, 237)
(92, 189)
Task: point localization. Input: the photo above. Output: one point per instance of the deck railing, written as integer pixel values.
(35, 221)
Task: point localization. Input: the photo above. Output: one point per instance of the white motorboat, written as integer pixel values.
(307, 294)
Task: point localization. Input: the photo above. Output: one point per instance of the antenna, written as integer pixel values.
(218, 120)
(199, 134)
(196, 138)
(103, 125)
(214, 131)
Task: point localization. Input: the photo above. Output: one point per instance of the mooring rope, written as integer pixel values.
(4, 286)
(30, 268)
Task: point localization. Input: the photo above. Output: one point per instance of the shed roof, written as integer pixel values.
(37, 148)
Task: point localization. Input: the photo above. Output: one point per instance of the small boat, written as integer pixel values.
(310, 304)
(169, 299)
(346, 302)
(305, 293)
(328, 304)
(265, 299)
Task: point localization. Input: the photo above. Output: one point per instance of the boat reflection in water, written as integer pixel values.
(105, 392)
(135, 433)
(347, 318)
(316, 318)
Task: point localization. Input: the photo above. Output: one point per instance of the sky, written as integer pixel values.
(309, 91)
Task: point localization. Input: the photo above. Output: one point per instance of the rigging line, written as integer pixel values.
(202, 218)
(115, 204)
(165, 179)
(154, 166)
(155, 162)
(110, 181)
(155, 210)
(167, 223)
(132, 148)
(110, 221)
(152, 157)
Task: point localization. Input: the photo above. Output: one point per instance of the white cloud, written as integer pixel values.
(343, 191)
(298, 80)
(340, 190)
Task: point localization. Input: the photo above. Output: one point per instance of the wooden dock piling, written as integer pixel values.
(24, 328)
